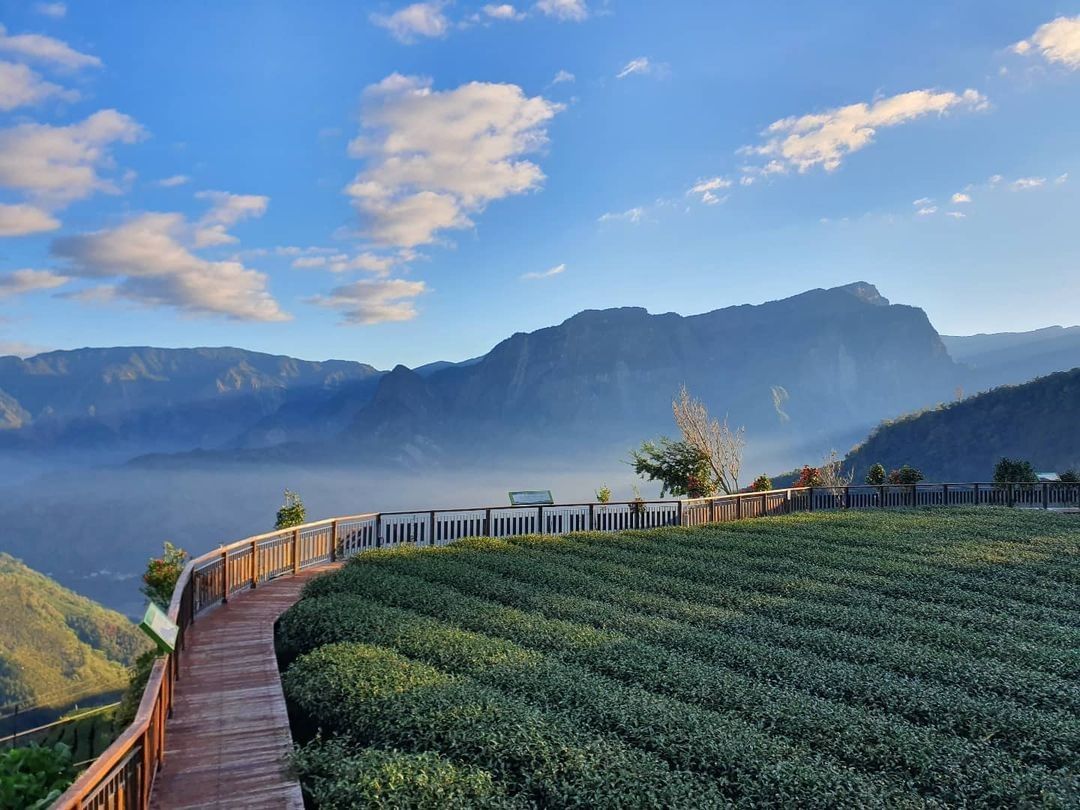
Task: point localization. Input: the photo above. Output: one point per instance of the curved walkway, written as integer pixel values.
(229, 732)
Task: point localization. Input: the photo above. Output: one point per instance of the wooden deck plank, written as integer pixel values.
(226, 741)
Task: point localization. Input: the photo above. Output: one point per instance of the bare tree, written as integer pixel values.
(833, 475)
(717, 443)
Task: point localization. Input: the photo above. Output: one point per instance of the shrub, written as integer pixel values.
(603, 495)
(337, 775)
(138, 676)
(1070, 476)
(876, 475)
(162, 574)
(906, 475)
(32, 778)
(1014, 471)
(808, 477)
(761, 484)
(292, 512)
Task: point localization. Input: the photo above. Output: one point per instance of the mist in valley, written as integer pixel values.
(94, 529)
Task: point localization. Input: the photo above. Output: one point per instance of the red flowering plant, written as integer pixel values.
(162, 574)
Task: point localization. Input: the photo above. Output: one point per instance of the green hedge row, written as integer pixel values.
(378, 697)
(860, 659)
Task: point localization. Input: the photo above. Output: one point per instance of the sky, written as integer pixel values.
(401, 183)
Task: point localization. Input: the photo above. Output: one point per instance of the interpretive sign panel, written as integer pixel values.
(531, 497)
(160, 628)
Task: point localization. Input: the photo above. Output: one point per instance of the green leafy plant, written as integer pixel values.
(603, 495)
(162, 574)
(680, 468)
(1071, 476)
(876, 475)
(138, 676)
(1014, 471)
(761, 484)
(292, 512)
(32, 778)
(906, 475)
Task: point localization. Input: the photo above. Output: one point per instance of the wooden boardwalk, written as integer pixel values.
(229, 732)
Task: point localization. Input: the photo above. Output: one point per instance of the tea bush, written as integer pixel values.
(875, 659)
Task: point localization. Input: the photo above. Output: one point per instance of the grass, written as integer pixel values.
(901, 659)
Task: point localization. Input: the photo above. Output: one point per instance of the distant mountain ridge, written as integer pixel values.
(111, 403)
(1015, 356)
(1037, 421)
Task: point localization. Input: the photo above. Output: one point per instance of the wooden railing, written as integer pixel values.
(122, 777)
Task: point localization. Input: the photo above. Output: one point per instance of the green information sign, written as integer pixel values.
(160, 628)
(531, 497)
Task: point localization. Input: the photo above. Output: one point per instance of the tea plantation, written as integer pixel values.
(902, 659)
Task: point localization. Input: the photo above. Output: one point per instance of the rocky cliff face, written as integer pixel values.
(819, 363)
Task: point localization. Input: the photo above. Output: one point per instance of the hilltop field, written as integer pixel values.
(902, 659)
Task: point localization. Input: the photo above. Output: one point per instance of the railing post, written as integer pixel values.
(254, 564)
(1012, 495)
(678, 507)
(944, 494)
(487, 523)
(914, 498)
(847, 497)
(431, 539)
(738, 506)
(1046, 495)
(975, 497)
(712, 510)
(810, 494)
(296, 551)
(224, 576)
(333, 540)
(787, 501)
(764, 505)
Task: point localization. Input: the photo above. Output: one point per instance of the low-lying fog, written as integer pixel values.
(93, 530)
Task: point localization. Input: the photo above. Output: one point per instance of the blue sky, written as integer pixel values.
(402, 183)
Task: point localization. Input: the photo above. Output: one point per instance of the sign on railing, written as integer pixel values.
(123, 776)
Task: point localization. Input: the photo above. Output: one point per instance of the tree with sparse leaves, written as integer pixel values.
(718, 444)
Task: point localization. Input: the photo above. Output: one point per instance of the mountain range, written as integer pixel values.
(199, 443)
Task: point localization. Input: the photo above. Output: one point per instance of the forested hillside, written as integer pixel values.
(57, 647)
(1038, 421)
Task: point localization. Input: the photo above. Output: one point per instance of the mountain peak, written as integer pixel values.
(864, 291)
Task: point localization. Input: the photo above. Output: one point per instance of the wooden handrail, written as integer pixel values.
(127, 767)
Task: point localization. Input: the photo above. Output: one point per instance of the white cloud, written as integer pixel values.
(20, 220)
(573, 10)
(922, 201)
(344, 263)
(19, 86)
(503, 11)
(1025, 183)
(554, 271)
(46, 49)
(826, 138)
(1056, 41)
(634, 215)
(55, 10)
(374, 301)
(707, 189)
(150, 261)
(927, 210)
(961, 197)
(225, 211)
(956, 214)
(563, 76)
(1061, 179)
(434, 158)
(416, 20)
(640, 65)
(18, 282)
(173, 181)
(56, 165)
